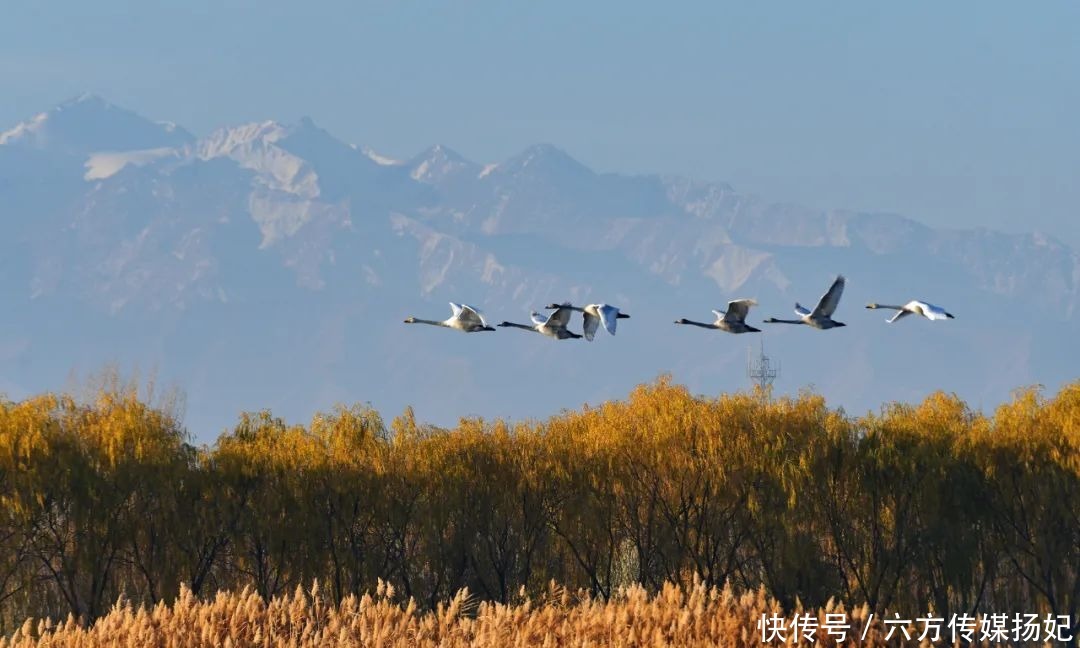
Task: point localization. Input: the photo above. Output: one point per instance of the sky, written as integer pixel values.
(955, 114)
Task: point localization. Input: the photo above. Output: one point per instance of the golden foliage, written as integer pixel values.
(923, 507)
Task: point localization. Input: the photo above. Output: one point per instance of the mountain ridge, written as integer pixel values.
(256, 235)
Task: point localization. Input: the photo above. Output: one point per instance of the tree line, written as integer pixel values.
(916, 508)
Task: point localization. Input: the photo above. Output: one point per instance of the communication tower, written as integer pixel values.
(761, 371)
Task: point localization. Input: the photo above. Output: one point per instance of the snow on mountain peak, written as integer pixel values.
(88, 123)
(254, 146)
(106, 164)
(545, 159)
(438, 163)
(24, 130)
(381, 160)
(86, 97)
(225, 141)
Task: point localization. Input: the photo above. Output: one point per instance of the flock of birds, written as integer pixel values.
(733, 320)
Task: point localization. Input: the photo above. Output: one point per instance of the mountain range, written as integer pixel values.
(270, 265)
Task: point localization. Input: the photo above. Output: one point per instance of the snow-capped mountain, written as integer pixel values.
(88, 123)
(270, 265)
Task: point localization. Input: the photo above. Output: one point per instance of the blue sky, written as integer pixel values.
(957, 114)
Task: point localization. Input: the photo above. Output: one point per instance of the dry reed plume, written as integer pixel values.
(695, 616)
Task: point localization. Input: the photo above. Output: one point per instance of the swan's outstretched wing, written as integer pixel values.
(899, 315)
(800, 310)
(737, 310)
(538, 319)
(472, 315)
(589, 323)
(830, 300)
(609, 316)
(455, 310)
(931, 311)
(559, 317)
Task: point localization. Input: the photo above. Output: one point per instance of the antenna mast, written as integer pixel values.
(761, 372)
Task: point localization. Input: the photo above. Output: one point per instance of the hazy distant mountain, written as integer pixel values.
(89, 124)
(270, 265)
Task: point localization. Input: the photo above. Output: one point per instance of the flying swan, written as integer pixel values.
(464, 318)
(733, 320)
(553, 326)
(593, 316)
(821, 316)
(915, 307)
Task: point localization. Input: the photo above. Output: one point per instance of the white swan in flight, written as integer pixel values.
(915, 307)
(821, 316)
(593, 316)
(733, 320)
(464, 318)
(553, 326)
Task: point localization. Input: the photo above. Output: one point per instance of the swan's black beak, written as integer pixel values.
(622, 316)
(949, 315)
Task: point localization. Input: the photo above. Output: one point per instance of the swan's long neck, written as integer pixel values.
(424, 321)
(520, 326)
(701, 324)
(888, 306)
(783, 321)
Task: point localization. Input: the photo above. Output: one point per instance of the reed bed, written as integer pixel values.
(674, 616)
